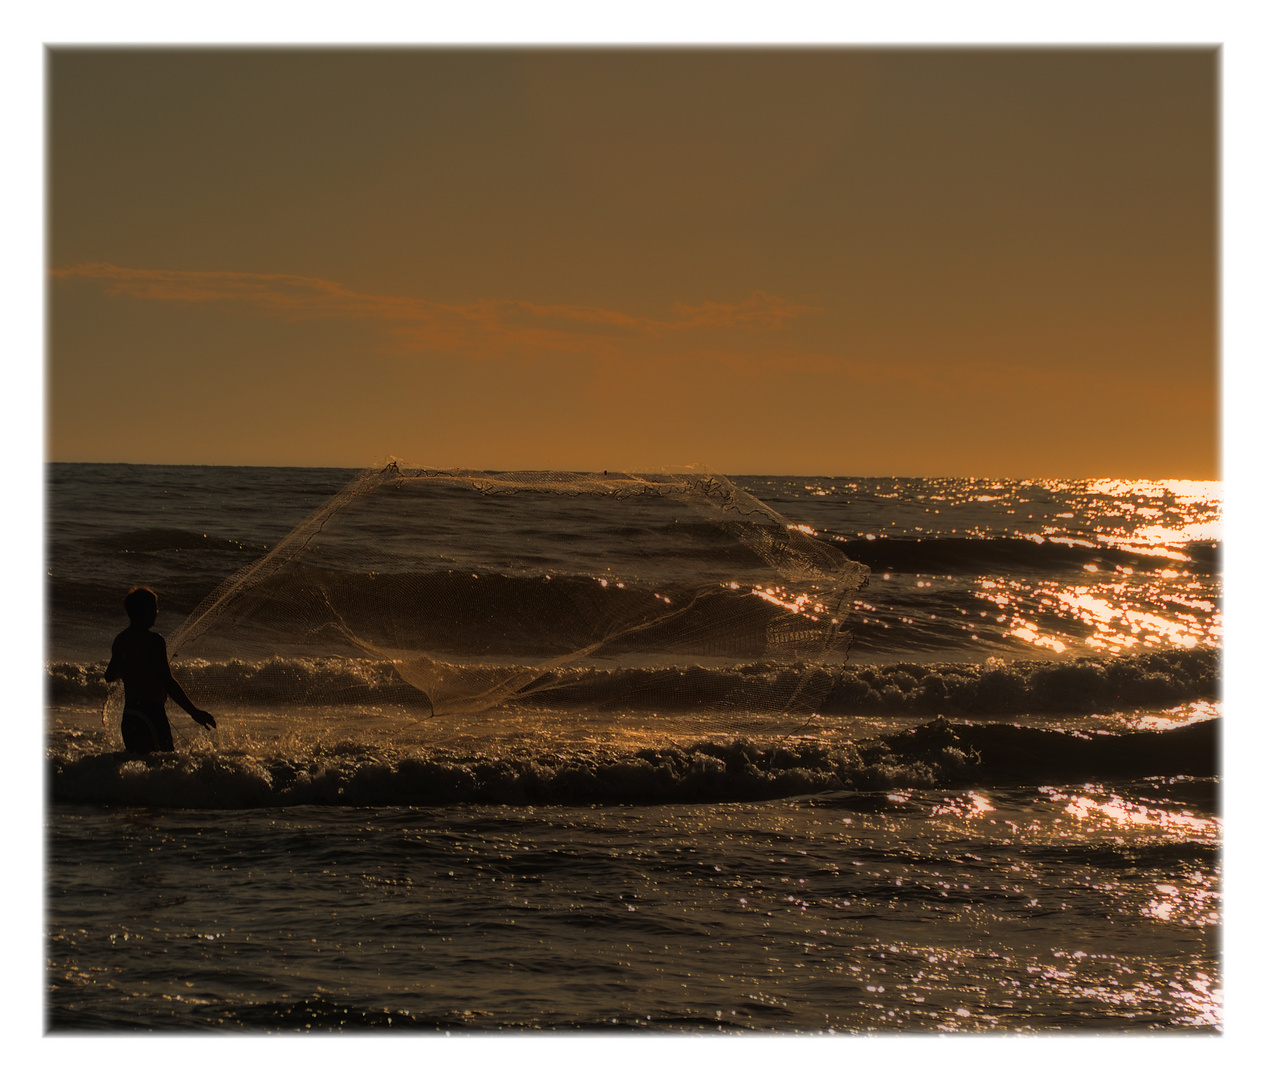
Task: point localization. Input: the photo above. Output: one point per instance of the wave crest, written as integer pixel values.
(1063, 687)
(939, 754)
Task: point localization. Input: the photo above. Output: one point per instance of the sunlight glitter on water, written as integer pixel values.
(1116, 613)
(1098, 811)
(1190, 491)
(1139, 626)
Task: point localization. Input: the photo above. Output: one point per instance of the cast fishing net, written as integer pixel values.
(444, 592)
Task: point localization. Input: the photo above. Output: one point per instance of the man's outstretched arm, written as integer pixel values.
(179, 696)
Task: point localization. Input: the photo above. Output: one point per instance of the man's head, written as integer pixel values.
(141, 605)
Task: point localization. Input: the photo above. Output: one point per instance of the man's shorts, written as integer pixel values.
(145, 727)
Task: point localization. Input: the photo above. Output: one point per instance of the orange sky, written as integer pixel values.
(912, 262)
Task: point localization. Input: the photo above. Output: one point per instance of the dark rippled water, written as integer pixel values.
(599, 856)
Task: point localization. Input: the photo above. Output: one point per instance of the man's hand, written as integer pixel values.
(204, 718)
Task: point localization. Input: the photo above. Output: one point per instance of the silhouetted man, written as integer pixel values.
(139, 658)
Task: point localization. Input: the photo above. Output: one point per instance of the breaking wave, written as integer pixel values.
(1158, 678)
(938, 754)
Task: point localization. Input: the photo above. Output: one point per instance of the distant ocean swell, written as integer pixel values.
(964, 555)
(902, 554)
(712, 771)
(1156, 679)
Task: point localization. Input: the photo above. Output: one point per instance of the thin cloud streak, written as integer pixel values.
(750, 347)
(480, 329)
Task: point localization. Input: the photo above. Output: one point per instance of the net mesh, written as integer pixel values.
(457, 591)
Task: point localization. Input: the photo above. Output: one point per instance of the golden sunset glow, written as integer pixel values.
(813, 261)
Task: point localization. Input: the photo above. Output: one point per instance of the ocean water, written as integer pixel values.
(995, 809)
